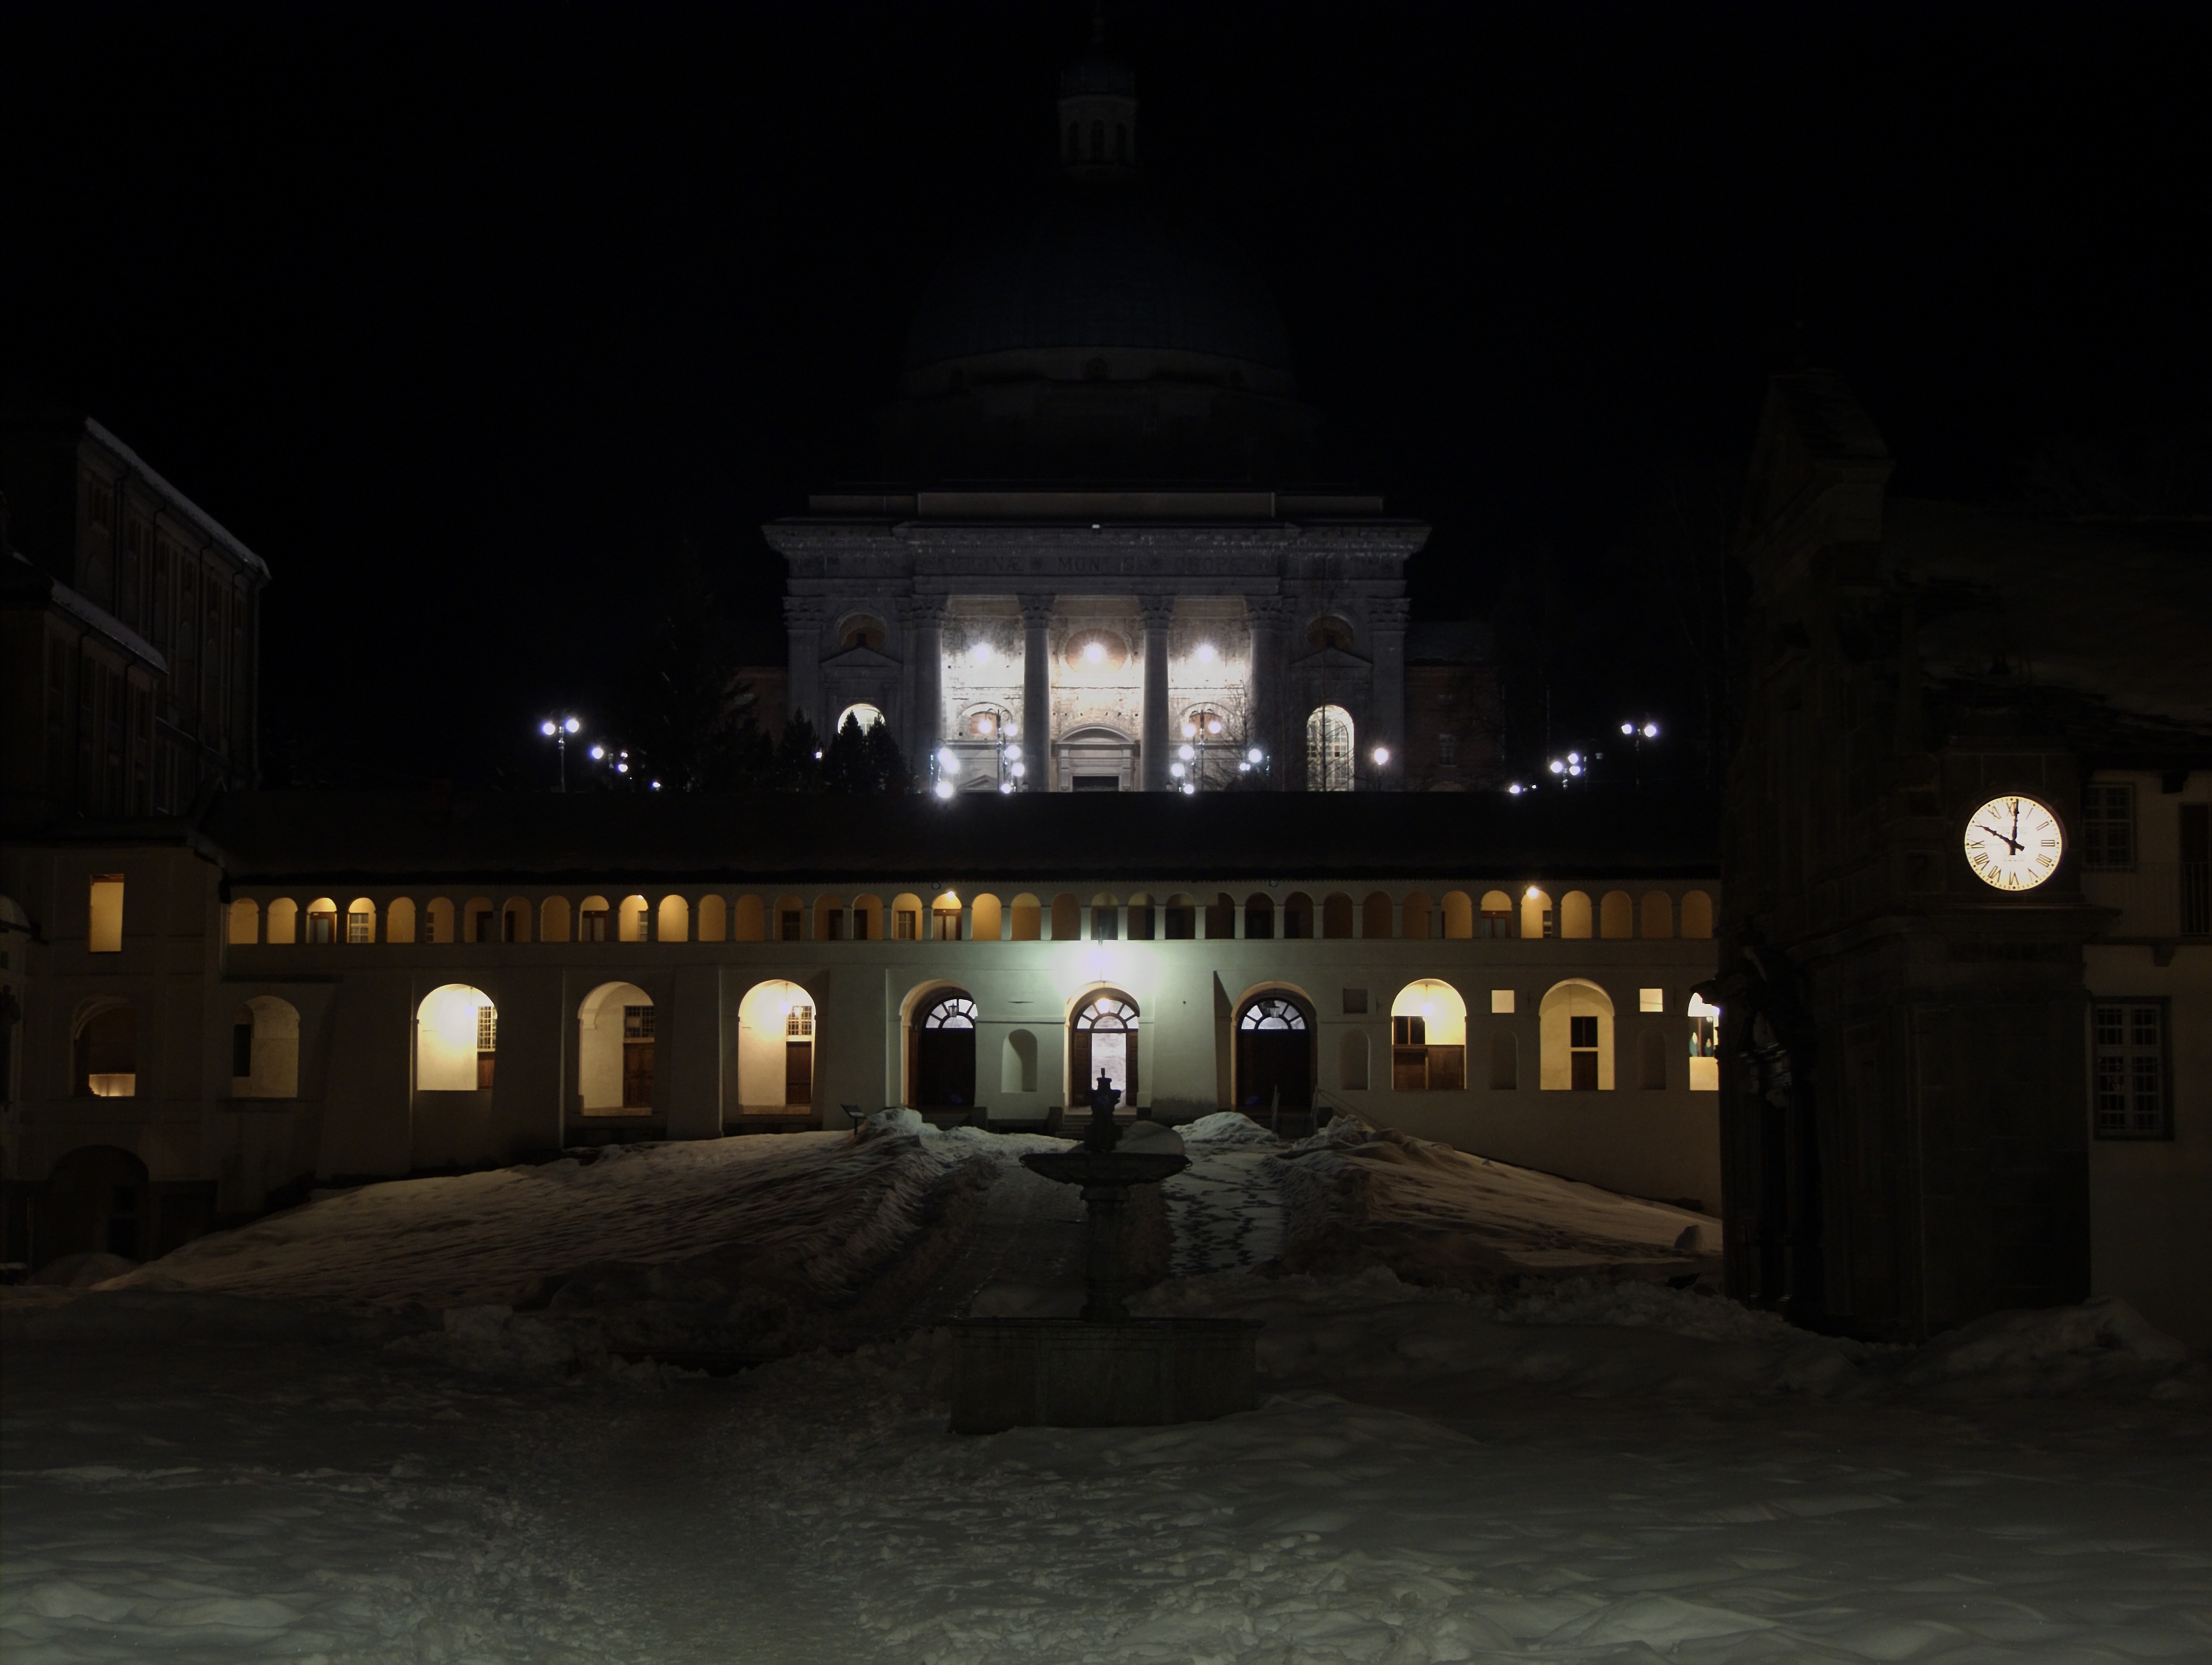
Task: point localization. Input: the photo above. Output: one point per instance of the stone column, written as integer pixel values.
(1158, 612)
(923, 617)
(1036, 692)
(802, 623)
(1269, 616)
(1387, 721)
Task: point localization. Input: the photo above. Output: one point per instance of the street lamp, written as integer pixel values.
(557, 730)
(1637, 733)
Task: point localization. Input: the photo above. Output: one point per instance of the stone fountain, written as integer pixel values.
(1104, 1369)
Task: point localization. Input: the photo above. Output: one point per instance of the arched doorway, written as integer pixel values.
(104, 1064)
(1274, 1054)
(614, 1031)
(456, 1040)
(775, 1046)
(97, 1202)
(1101, 1039)
(941, 1064)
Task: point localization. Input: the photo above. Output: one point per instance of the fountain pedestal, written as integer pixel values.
(1105, 1368)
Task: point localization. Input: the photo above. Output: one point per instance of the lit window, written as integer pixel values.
(1328, 750)
(487, 1028)
(1650, 1000)
(799, 1023)
(2132, 1070)
(1501, 1000)
(106, 933)
(907, 926)
(361, 928)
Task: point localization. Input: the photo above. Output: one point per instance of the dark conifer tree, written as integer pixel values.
(886, 763)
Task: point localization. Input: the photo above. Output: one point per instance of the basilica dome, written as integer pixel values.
(1100, 268)
(1098, 338)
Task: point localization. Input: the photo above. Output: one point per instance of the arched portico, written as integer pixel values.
(775, 1046)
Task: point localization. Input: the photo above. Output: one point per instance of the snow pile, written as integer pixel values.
(818, 1215)
(1360, 1197)
(2102, 1342)
(1226, 1130)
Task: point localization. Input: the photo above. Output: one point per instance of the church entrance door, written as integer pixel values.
(1274, 1055)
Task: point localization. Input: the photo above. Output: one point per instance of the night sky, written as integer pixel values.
(465, 318)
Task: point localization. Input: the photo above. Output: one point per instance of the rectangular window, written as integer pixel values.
(2108, 826)
(1409, 1031)
(948, 924)
(487, 1028)
(787, 925)
(361, 928)
(105, 935)
(906, 926)
(2133, 1069)
(1650, 1000)
(318, 926)
(799, 1024)
(637, 1023)
(1501, 1000)
(592, 925)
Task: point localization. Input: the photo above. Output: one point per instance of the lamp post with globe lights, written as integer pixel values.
(557, 730)
(1637, 733)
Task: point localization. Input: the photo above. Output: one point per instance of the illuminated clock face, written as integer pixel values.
(2014, 844)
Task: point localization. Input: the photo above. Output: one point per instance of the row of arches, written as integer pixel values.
(1275, 1060)
(1456, 915)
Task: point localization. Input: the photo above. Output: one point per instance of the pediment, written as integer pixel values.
(1333, 658)
(859, 657)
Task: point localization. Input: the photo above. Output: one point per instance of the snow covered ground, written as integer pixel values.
(335, 1436)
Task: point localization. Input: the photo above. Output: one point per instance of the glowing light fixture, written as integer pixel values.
(1006, 786)
(1205, 651)
(1189, 730)
(598, 753)
(981, 652)
(1558, 767)
(1531, 893)
(1013, 754)
(1176, 769)
(1187, 753)
(947, 758)
(944, 788)
(1252, 756)
(1019, 770)
(1651, 731)
(1382, 755)
(1515, 788)
(1095, 652)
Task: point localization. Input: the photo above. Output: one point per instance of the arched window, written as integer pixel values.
(861, 630)
(1697, 915)
(1536, 922)
(1575, 1029)
(592, 919)
(1428, 1038)
(361, 920)
(945, 919)
(941, 1068)
(322, 920)
(864, 715)
(1458, 915)
(1575, 914)
(1258, 916)
(514, 921)
(906, 917)
(749, 925)
(456, 1039)
(476, 920)
(1336, 914)
(615, 1038)
(1374, 914)
(1330, 631)
(264, 1049)
(867, 918)
(775, 1047)
(244, 920)
(829, 919)
(1274, 1055)
(1658, 913)
(1416, 911)
(1497, 914)
(553, 919)
(283, 920)
(1616, 915)
(1328, 750)
(1028, 918)
(674, 923)
(1143, 925)
(633, 919)
(713, 918)
(1298, 915)
(1066, 917)
(1102, 1040)
(1179, 919)
(106, 1064)
(441, 919)
(1221, 916)
(399, 920)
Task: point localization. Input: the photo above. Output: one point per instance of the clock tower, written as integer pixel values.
(1904, 1124)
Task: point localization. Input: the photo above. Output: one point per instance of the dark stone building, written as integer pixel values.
(1956, 1043)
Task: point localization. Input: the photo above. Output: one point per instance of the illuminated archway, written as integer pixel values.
(1428, 1038)
(1102, 1038)
(456, 1039)
(775, 1046)
(1574, 1025)
(615, 1036)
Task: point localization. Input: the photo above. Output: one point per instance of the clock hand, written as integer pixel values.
(1993, 833)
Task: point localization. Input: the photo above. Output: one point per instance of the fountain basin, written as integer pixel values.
(1126, 1373)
